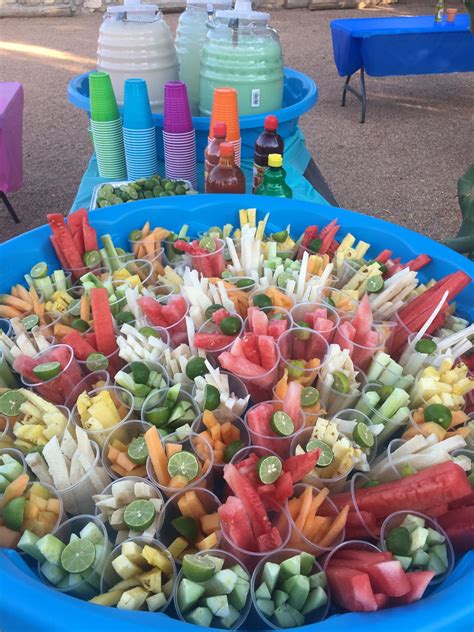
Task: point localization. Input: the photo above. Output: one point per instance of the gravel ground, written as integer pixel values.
(402, 164)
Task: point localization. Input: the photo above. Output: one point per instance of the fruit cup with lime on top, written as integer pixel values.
(237, 290)
(168, 312)
(226, 433)
(303, 352)
(270, 321)
(437, 419)
(220, 392)
(170, 409)
(207, 255)
(218, 333)
(124, 452)
(142, 378)
(318, 316)
(343, 302)
(191, 522)
(385, 405)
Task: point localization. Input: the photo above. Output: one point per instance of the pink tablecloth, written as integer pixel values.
(11, 124)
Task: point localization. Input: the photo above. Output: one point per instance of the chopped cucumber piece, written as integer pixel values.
(421, 558)
(435, 564)
(411, 522)
(291, 566)
(200, 616)
(238, 597)
(441, 551)
(262, 592)
(223, 583)
(28, 544)
(318, 579)
(404, 560)
(270, 575)
(317, 598)
(92, 532)
(238, 570)
(228, 622)
(434, 537)
(280, 597)
(54, 574)
(266, 607)
(307, 561)
(218, 605)
(189, 593)
(51, 548)
(298, 589)
(418, 539)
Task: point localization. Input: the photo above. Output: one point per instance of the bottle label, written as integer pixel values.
(255, 98)
(258, 173)
(208, 167)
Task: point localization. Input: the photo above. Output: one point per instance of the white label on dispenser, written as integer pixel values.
(255, 99)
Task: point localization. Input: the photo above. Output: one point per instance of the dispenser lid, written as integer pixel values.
(210, 5)
(133, 6)
(243, 11)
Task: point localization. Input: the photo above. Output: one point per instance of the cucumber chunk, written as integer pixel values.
(51, 548)
(434, 537)
(218, 605)
(200, 616)
(266, 607)
(229, 621)
(404, 561)
(317, 598)
(262, 592)
(223, 583)
(280, 597)
(189, 594)
(318, 579)
(28, 544)
(291, 566)
(54, 574)
(307, 561)
(418, 539)
(270, 575)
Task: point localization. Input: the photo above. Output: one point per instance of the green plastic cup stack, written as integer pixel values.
(106, 126)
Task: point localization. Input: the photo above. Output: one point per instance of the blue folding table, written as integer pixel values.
(382, 47)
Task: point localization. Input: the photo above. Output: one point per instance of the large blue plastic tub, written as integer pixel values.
(300, 94)
(27, 605)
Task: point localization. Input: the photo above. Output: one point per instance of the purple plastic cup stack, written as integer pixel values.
(179, 136)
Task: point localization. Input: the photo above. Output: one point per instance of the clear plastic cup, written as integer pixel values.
(237, 391)
(302, 541)
(395, 519)
(109, 577)
(177, 332)
(199, 427)
(350, 414)
(156, 400)
(239, 295)
(388, 376)
(306, 347)
(53, 493)
(5, 326)
(333, 401)
(279, 313)
(211, 264)
(392, 471)
(277, 558)
(152, 366)
(390, 426)
(274, 442)
(89, 586)
(123, 401)
(320, 476)
(209, 327)
(16, 454)
(210, 503)
(387, 330)
(413, 361)
(371, 530)
(349, 269)
(198, 446)
(89, 382)
(124, 433)
(117, 530)
(114, 363)
(361, 354)
(286, 299)
(136, 267)
(56, 389)
(7, 378)
(299, 313)
(344, 304)
(175, 259)
(6, 438)
(464, 454)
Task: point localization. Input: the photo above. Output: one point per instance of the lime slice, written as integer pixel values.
(283, 279)
(39, 270)
(149, 332)
(425, 345)
(97, 362)
(326, 457)
(296, 369)
(341, 383)
(183, 463)
(370, 484)
(139, 514)
(13, 513)
(212, 397)
(280, 237)
(244, 284)
(208, 244)
(195, 367)
(80, 325)
(187, 527)
(137, 451)
(158, 416)
(91, 258)
(124, 317)
(303, 333)
(47, 370)
(315, 244)
(10, 403)
(438, 413)
(198, 568)
(215, 307)
(362, 435)
(78, 556)
(231, 450)
(282, 424)
(269, 469)
(262, 301)
(375, 284)
(230, 325)
(215, 230)
(140, 372)
(309, 396)
(30, 321)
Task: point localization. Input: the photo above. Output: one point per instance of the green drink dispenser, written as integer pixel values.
(242, 52)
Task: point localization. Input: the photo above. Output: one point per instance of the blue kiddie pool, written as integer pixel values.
(28, 605)
(300, 94)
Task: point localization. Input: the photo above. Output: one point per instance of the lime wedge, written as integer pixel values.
(208, 244)
(183, 463)
(212, 397)
(91, 258)
(39, 270)
(315, 244)
(139, 514)
(326, 457)
(375, 284)
(78, 556)
(283, 278)
(215, 230)
(149, 332)
(13, 513)
(215, 307)
(231, 450)
(137, 451)
(30, 321)
(438, 413)
(362, 435)
(158, 416)
(230, 325)
(269, 469)
(425, 345)
(198, 568)
(195, 367)
(97, 362)
(309, 396)
(245, 284)
(187, 527)
(47, 370)
(124, 317)
(282, 424)
(140, 372)
(384, 392)
(80, 325)
(135, 235)
(280, 237)
(262, 301)
(341, 383)
(10, 403)
(302, 333)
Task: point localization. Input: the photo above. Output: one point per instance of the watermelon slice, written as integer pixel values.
(418, 581)
(301, 465)
(292, 403)
(153, 310)
(250, 347)
(459, 525)
(284, 487)
(267, 349)
(174, 310)
(250, 499)
(360, 559)
(82, 349)
(381, 600)
(258, 420)
(235, 521)
(219, 315)
(363, 319)
(351, 589)
(269, 541)
(240, 366)
(212, 342)
(276, 327)
(237, 348)
(258, 321)
(389, 578)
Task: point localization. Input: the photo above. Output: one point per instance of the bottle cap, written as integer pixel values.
(135, 6)
(227, 150)
(271, 123)
(274, 160)
(220, 130)
(243, 11)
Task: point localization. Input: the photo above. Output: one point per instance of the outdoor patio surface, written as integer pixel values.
(402, 165)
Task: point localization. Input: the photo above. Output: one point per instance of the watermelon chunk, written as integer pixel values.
(351, 589)
(212, 342)
(269, 541)
(361, 556)
(363, 319)
(250, 347)
(459, 525)
(381, 600)
(267, 349)
(301, 465)
(258, 321)
(309, 234)
(292, 403)
(284, 487)
(276, 327)
(174, 310)
(418, 581)
(240, 366)
(236, 523)
(250, 499)
(219, 315)
(258, 419)
(82, 349)
(153, 310)
(389, 578)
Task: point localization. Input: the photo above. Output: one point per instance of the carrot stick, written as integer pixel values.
(335, 529)
(315, 505)
(62, 330)
(9, 312)
(146, 229)
(22, 293)
(149, 244)
(294, 507)
(157, 455)
(319, 526)
(17, 303)
(306, 498)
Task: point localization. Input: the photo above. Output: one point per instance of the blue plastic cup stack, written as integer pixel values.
(106, 126)
(179, 136)
(138, 131)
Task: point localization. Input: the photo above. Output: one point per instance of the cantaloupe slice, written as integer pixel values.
(15, 489)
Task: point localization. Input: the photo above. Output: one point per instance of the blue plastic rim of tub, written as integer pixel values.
(26, 604)
(300, 94)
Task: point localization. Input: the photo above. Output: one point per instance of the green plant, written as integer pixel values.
(464, 241)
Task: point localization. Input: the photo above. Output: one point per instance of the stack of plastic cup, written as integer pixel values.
(106, 126)
(225, 109)
(138, 131)
(179, 136)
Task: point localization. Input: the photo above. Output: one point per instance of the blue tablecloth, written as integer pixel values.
(296, 160)
(402, 46)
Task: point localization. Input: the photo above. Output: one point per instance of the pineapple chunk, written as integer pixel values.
(132, 599)
(151, 580)
(177, 547)
(110, 598)
(125, 568)
(157, 558)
